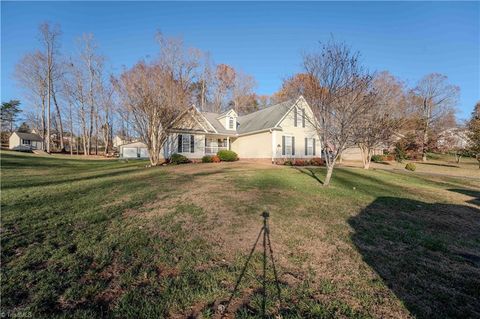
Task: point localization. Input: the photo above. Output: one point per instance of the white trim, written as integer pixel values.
(227, 113)
(206, 120)
(300, 98)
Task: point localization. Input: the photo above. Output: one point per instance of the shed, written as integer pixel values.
(134, 150)
(21, 141)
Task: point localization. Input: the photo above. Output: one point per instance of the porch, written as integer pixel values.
(213, 144)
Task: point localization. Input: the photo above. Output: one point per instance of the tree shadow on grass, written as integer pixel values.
(310, 172)
(469, 192)
(444, 165)
(427, 254)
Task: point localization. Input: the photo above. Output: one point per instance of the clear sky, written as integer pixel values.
(265, 39)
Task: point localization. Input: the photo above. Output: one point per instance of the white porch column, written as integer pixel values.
(228, 142)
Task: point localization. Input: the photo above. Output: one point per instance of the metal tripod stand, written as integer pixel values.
(267, 248)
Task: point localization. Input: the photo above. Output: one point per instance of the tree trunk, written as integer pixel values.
(43, 123)
(71, 129)
(424, 144)
(48, 110)
(328, 177)
(62, 147)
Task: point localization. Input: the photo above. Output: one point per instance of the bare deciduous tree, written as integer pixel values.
(243, 97)
(339, 99)
(383, 118)
(30, 72)
(434, 98)
(156, 93)
(49, 37)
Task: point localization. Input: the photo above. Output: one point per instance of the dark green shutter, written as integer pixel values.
(306, 146)
(192, 143)
(303, 117)
(293, 145)
(179, 143)
(283, 145)
(313, 147)
(295, 117)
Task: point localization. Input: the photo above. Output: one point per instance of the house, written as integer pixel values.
(453, 138)
(276, 133)
(21, 141)
(133, 150)
(117, 141)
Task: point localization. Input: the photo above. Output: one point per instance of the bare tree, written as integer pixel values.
(30, 72)
(156, 93)
(105, 114)
(339, 98)
(224, 82)
(92, 64)
(243, 96)
(49, 37)
(383, 118)
(434, 98)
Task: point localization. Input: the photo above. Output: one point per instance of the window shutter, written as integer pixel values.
(283, 145)
(179, 136)
(295, 116)
(306, 146)
(303, 117)
(293, 145)
(313, 147)
(192, 144)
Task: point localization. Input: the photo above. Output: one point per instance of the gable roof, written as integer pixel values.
(264, 119)
(29, 136)
(213, 119)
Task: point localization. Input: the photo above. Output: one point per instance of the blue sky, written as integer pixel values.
(264, 39)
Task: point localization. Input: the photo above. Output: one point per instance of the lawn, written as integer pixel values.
(106, 238)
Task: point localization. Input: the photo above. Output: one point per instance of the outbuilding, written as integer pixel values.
(134, 150)
(21, 141)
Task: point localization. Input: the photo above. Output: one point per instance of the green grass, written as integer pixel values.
(105, 238)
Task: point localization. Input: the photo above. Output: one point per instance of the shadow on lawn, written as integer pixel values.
(310, 172)
(437, 164)
(469, 192)
(427, 254)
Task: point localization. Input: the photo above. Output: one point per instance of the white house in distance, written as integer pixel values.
(275, 133)
(20, 141)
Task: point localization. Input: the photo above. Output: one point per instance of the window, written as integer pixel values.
(231, 123)
(288, 145)
(299, 116)
(186, 143)
(309, 146)
(27, 142)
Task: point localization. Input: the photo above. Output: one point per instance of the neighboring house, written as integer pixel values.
(453, 138)
(355, 154)
(117, 141)
(279, 132)
(25, 141)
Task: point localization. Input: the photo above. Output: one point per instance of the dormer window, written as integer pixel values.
(228, 120)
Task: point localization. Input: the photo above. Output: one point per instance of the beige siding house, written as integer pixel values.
(276, 133)
(25, 141)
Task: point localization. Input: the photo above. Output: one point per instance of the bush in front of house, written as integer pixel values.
(317, 161)
(300, 162)
(288, 163)
(377, 158)
(227, 156)
(216, 159)
(410, 167)
(207, 159)
(178, 159)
